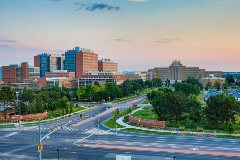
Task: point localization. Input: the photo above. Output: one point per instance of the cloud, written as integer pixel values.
(4, 46)
(138, 0)
(121, 40)
(96, 6)
(166, 40)
(9, 41)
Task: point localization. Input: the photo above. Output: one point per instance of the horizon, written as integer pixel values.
(137, 34)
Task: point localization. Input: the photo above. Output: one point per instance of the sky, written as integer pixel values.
(138, 34)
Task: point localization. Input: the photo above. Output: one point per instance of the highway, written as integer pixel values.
(81, 140)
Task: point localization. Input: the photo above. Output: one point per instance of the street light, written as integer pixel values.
(58, 153)
(19, 110)
(109, 98)
(39, 134)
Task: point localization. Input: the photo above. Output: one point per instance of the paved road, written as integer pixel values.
(81, 140)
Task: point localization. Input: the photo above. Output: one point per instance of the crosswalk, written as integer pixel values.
(9, 134)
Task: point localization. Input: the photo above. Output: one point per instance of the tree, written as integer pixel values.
(126, 88)
(194, 81)
(217, 85)
(156, 82)
(230, 127)
(208, 86)
(230, 79)
(51, 104)
(71, 105)
(169, 106)
(221, 108)
(187, 88)
(31, 109)
(194, 109)
(6, 98)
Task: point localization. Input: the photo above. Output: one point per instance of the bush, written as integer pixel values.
(199, 129)
(181, 128)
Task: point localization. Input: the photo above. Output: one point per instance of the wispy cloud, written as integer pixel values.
(222, 1)
(95, 6)
(121, 40)
(4, 46)
(167, 40)
(138, 0)
(7, 40)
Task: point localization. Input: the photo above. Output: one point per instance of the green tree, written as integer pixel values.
(208, 86)
(194, 109)
(217, 85)
(126, 88)
(31, 109)
(230, 127)
(187, 88)
(169, 106)
(230, 79)
(156, 82)
(194, 81)
(71, 105)
(7, 98)
(221, 108)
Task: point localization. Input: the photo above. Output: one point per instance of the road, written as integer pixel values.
(81, 140)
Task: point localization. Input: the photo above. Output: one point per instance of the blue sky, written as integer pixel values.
(139, 34)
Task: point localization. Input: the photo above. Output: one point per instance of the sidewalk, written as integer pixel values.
(120, 122)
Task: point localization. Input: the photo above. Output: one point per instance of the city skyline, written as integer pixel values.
(202, 33)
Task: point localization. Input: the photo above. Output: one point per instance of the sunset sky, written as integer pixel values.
(138, 34)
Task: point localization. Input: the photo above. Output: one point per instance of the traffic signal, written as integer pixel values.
(80, 115)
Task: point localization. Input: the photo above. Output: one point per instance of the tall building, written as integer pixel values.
(80, 61)
(9, 74)
(15, 73)
(56, 62)
(177, 72)
(42, 61)
(0, 73)
(70, 60)
(107, 65)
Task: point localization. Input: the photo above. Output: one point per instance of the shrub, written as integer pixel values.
(181, 128)
(199, 129)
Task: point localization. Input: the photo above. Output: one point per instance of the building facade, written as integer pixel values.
(56, 62)
(107, 65)
(80, 61)
(176, 72)
(42, 61)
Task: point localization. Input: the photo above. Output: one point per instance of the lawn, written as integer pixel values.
(145, 102)
(146, 113)
(58, 111)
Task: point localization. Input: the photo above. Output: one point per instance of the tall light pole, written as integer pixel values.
(109, 98)
(19, 110)
(58, 153)
(98, 113)
(39, 134)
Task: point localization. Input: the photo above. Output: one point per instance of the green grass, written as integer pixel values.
(228, 136)
(145, 131)
(111, 123)
(145, 102)
(58, 111)
(146, 113)
(6, 125)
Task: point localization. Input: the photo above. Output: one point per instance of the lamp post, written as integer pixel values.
(19, 110)
(58, 153)
(109, 98)
(39, 134)
(98, 113)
